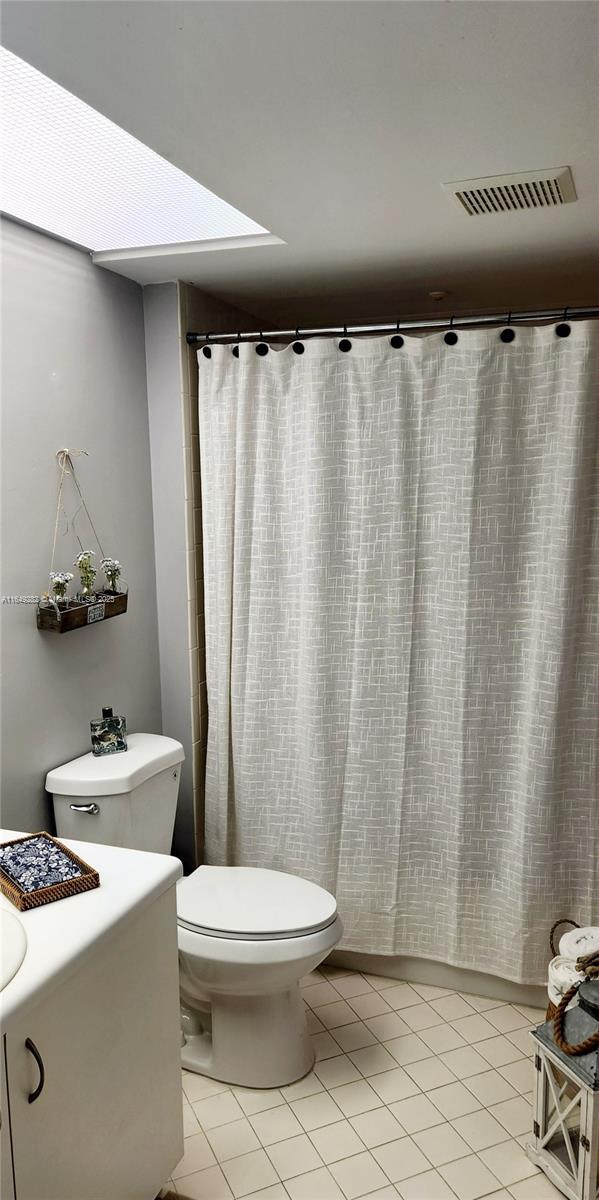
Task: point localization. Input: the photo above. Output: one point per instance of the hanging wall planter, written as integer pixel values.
(57, 612)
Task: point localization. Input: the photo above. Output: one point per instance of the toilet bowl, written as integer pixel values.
(246, 935)
(246, 938)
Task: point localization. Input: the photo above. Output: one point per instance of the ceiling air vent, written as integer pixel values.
(514, 193)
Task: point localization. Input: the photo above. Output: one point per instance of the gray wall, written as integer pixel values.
(73, 367)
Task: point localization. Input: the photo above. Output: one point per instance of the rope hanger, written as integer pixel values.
(67, 468)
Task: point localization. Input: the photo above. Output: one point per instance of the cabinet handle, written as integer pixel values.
(31, 1046)
(86, 808)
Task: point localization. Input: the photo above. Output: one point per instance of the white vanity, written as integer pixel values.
(91, 1083)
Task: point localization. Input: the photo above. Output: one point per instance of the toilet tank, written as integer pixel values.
(123, 799)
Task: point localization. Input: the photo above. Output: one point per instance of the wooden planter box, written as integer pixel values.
(77, 615)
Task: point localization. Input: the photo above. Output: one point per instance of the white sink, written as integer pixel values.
(13, 946)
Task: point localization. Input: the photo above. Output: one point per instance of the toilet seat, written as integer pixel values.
(252, 904)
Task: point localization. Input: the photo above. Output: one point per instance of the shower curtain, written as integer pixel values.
(402, 633)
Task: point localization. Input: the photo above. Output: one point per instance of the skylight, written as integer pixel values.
(70, 171)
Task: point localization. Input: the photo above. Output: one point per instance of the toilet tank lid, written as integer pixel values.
(113, 774)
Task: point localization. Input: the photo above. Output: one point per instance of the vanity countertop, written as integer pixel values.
(61, 934)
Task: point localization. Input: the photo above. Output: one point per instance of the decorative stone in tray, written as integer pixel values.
(37, 869)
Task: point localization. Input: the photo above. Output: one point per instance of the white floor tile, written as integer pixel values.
(394, 1085)
(430, 1073)
(473, 1029)
(441, 1039)
(334, 1142)
(514, 1115)
(198, 1087)
(401, 1159)
(428, 991)
(331, 972)
(519, 1074)
(539, 1188)
(353, 985)
(294, 1157)
(217, 1110)
(358, 1175)
(315, 1185)
(312, 1023)
(429, 1186)
(190, 1121)
(450, 1008)
(333, 1072)
(508, 1162)
(490, 1088)
(420, 1016)
(441, 1144)
(454, 1100)
(417, 1113)
(333, 1015)
(535, 1016)
(311, 979)
(465, 1062)
(377, 1127)
(369, 1006)
(372, 1060)
(228, 1141)
(249, 1172)
(209, 1184)
(325, 1046)
(480, 1129)
(197, 1155)
(257, 1101)
(499, 1051)
(276, 1124)
(353, 1037)
(380, 982)
(402, 996)
(385, 1193)
(408, 1049)
(320, 993)
(387, 1026)
(308, 1086)
(275, 1192)
(481, 1003)
(507, 1018)
(522, 1040)
(315, 1111)
(354, 1098)
(469, 1178)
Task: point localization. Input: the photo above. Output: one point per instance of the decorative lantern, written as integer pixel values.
(565, 1141)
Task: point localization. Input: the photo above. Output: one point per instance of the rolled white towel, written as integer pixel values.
(577, 942)
(562, 976)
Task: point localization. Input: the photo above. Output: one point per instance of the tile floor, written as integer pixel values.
(417, 1092)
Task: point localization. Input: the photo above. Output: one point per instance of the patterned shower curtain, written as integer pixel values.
(402, 633)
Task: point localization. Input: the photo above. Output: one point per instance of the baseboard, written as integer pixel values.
(424, 970)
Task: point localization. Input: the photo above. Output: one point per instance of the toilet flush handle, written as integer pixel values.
(93, 809)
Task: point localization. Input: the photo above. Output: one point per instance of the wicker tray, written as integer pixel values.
(45, 894)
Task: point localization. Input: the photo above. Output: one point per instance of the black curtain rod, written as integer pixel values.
(458, 321)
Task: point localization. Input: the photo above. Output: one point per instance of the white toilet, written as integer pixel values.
(246, 935)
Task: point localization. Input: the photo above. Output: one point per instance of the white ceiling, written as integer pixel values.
(333, 124)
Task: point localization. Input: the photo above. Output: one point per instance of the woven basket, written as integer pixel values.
(24, 901)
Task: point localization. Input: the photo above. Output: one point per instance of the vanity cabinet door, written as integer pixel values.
(107, 1120)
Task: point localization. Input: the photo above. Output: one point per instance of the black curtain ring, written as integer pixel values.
(451, 337)
(396, 341)
(508, 335)
(206, 351)
(344, 344)
(564, 328)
